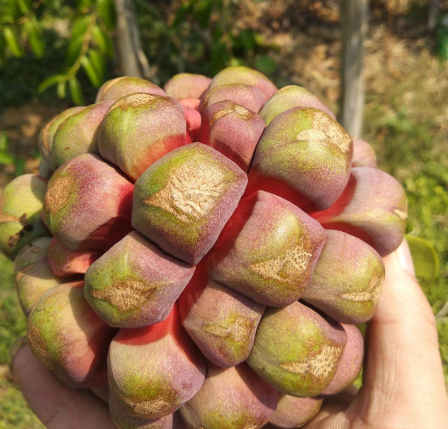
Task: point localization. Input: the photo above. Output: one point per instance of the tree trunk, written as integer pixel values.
(354, 31)
(132, 60)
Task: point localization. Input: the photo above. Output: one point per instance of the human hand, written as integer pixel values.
(403, 385)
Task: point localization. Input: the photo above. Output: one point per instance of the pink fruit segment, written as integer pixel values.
(187, 85)
(33, 273)
(221, 322)
(114, 89)
(363, 154)
(247, 76)
(347, 280)
(267, 250)
(183, 201)
(232, 130)
(303, 156)
(350, 364)
(373, 207)
(192, 103)
(46, 136)
(135, 283)
(289, 97)
(296, 350)
(294, 412)
(88, 204)
(194, 120)
(77, 135)
(154, 370)
(139, 129)
(65, 262)
(247, 96)
(67, 336)
(20, 213)
(230, 398)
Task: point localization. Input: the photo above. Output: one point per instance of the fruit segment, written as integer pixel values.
(187, 85)
(46, 136)
(289, 97)
(114, 89)
(232, 130)
(230, 398)
(154, 370)
(303, 156)
(88, 204)
(296, 350)
(33, 273)
(347, 280)
(247, 96)
(20, 213)
(66, 262)
(194, 120)
(247, 76)
(139, 129)
(67, 336)
(294, 412)
(183, 201)
(77, 135)
(267, 250)
(363, 154)
(373, 207)
(351, 362)
(135, 283)
(220, 321)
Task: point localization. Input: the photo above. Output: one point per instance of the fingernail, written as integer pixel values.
(405, 257)
(16, 346)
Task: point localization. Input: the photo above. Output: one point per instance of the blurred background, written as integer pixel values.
(56, 53)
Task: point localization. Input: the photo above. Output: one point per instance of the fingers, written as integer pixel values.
(55, 404)
(403, 366)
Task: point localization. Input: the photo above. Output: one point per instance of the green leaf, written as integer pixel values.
(180, 15)
(204, 12)
(19, 167)
(76, 91)
(6, 159)
(13, 43)
(23, 6)
(50, 81)
(4, 142)
(36, 39)
(62, 90)
(426, 261)
(103, 41)
(266, 64)
(107, 13)
(247, 39)
(80, 26)
(91, 72)
(98, 62)
(74, 49)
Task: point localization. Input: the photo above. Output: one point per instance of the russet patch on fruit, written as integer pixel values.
(198, 255)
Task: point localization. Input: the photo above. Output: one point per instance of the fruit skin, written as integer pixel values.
(20, 213)
(232, 130)
(139, 129)
(296, 350)
(363, 154)
(187, 85)
(46, 136)
(33, 273)
(347, 280)
(114, 89)
(135, 283)
(65, 262)
(230, 398)
(350, 364)
(88, 204)
(245, 75)
(220, 321)
(67, 336)
(303, 156)
(246, 96)
(192, 103)
(183, 201)
(194, 121)
(154, 370)
(294, 412)
(267, 250)
(373, 207)
(77, 135)
(44, 170)
(289, 97)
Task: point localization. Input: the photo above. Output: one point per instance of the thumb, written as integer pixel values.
(403, 366)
